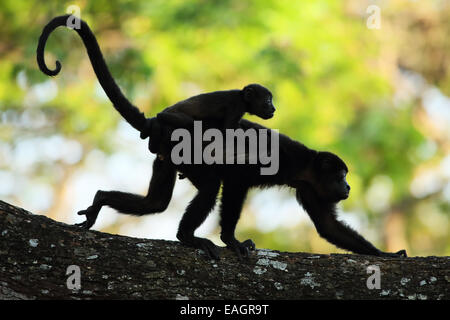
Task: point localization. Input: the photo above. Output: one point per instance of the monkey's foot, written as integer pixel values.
(401, 253)
(91, 216)
(242, 249)
(206, 245)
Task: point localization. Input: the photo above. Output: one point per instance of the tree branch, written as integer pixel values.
(35, 253)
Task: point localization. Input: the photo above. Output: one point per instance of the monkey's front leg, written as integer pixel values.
(400, 253)
(323, 215)
(196, 212)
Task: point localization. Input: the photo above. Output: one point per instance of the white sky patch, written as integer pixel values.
(99, 93)
(353, 219)
(379, 193)
(426, 183)
(29, 152)
(38, 197)
(39, 93)
(42, 92)
(276, 208)
(437, 106)
(445, 166)
(446, 192)
(7, 182)
(22, 80)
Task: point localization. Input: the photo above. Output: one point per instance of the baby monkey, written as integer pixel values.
(228, 105)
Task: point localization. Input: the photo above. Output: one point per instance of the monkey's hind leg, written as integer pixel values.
(156, 200)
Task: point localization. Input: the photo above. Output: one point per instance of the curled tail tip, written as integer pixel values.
(55, 71)
(43, 67)
(53, 24)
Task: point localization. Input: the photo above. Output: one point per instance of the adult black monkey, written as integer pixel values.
(318, 177)
(227, 106)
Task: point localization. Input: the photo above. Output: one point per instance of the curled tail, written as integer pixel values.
(126, 109)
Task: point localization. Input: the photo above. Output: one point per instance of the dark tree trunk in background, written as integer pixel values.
(36, 251)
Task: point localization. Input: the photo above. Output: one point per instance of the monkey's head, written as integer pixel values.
(259, 101)
(330, 174)
(327, 177)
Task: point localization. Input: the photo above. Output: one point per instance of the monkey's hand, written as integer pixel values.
(401, 253)
(91, 214)
(152, 128)
(145, 133)
(242, 249)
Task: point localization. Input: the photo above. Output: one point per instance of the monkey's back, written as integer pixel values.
(212, 105)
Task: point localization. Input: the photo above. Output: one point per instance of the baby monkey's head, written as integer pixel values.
(259, 101)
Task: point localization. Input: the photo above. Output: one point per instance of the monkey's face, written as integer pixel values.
(330, 177)
(335, 187)
(259, 101)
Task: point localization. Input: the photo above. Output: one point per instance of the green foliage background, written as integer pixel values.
(336, 85)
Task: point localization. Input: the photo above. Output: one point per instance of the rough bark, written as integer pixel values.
(36, 251)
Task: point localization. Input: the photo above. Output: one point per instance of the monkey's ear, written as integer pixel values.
(248, 92)
(326, 165)
(322, 162)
